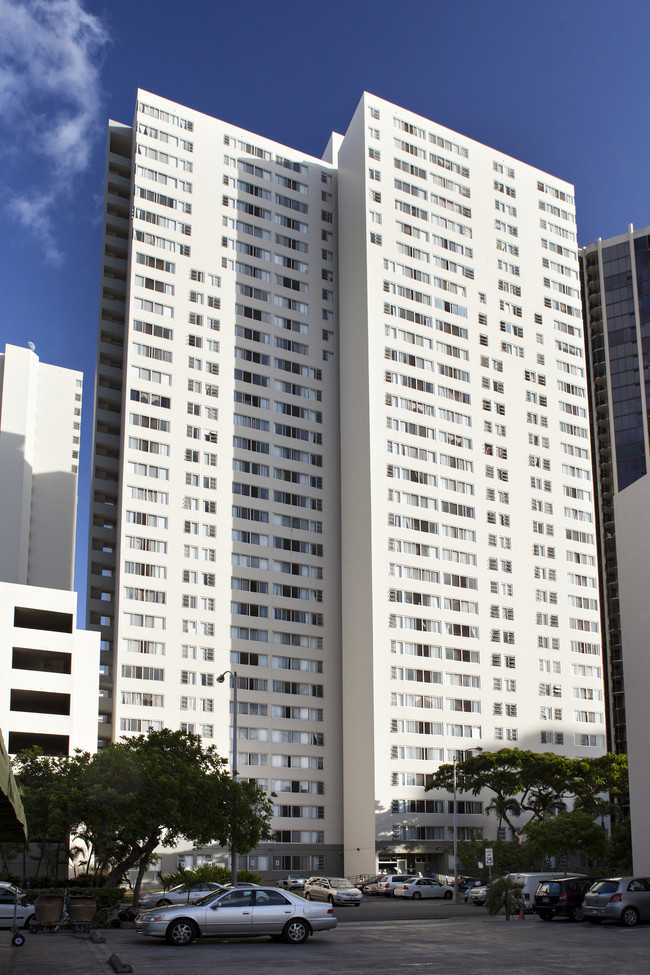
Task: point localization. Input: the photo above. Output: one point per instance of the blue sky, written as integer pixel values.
(560, 84)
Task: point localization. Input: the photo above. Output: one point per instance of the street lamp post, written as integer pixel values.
(468, 752)
(220, 679)
(455, 837)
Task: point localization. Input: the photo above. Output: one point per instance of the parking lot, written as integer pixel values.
(383, 936)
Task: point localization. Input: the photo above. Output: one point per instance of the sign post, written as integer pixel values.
(489, 859)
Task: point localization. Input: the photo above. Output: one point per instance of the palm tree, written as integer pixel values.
(503, 807)
(503, 892)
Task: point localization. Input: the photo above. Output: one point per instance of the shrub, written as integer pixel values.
(503, 892)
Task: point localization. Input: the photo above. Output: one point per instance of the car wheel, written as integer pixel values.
(358, 904)
(577, 914)
(181, 933)
(447, 895)
(308, 896)
(630, 917)
(30, 922)
(416, 895)
(295, 932)
(545, 917)
(163, 902)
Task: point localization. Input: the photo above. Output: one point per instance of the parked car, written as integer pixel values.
(387, 884)
(561, 898)
(242, 912)
(370, 882)
(292, 883)
(622, 899)
(181, 894)
(422, 887)
(529, 882)
(477, 895)
(25, 913)
(336, 890)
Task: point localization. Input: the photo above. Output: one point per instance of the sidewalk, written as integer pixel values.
(61, 953)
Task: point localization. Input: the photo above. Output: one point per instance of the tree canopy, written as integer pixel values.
(537, 784)
(139, 793)
(567, 835)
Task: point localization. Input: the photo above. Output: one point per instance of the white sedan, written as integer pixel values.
(422, 887)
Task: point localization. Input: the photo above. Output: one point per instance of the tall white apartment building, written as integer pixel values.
(215, 506)
(470, 596)
(48, 667)
(306, 392)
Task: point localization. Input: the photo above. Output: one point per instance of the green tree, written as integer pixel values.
(600, 784)
(619, 851)
(49, 787)
(503, 807)
(535, 784)
(509, 857)
(567, 834)
(141, 793)
(503, 892)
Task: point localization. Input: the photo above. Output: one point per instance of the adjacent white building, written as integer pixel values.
(40, 424)
(314, 351)
(48, 667)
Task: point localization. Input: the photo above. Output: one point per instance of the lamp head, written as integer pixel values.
(221, 678)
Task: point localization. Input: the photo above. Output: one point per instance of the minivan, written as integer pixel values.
(561, 898)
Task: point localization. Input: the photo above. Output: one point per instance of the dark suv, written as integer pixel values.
(562, 897)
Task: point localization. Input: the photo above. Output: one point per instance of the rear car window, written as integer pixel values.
(552, 889)
(605, 887)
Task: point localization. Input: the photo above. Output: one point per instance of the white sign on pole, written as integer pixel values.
(489, 856)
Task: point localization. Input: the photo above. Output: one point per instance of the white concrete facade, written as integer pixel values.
(49, 686)
(268, 536)
(218, 355)
(463, 391)
(40, 423)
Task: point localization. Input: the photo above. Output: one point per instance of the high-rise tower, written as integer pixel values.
(314, 351)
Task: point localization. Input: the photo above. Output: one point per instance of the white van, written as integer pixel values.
(529, 882)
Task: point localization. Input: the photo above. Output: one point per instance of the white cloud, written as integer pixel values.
(50, 96)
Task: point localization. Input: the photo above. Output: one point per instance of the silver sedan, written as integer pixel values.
(239, 913)
(423, 887)
(182, 894)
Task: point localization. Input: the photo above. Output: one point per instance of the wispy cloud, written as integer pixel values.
(50, 95)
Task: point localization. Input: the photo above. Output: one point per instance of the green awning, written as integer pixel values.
(13, 826)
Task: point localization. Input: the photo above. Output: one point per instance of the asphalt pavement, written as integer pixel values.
(453, 939)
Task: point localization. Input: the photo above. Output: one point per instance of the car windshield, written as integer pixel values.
(342, 885)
